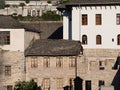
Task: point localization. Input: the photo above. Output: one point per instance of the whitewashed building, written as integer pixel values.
(14, 39)
(96, 23)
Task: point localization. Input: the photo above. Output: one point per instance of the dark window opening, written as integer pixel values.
(84, 39)
(88, 85)
(4, 37)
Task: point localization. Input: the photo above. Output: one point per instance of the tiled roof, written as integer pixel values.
(7, 22)
(89, 3)
(48, 29)
(49, 47)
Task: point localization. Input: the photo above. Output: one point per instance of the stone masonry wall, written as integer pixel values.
(15, 59)
(89, 66)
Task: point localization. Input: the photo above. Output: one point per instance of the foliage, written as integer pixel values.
(7, 5)
(27, 1)
(50, 15)
(26, 85)
(22, 4)
(48, 1)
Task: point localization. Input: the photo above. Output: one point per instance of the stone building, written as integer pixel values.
(96, 23)
(53, 63)
(14, 39)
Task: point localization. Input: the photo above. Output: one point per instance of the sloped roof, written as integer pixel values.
(48, 29)
(89, 3)
(49, 47)
(7, 22)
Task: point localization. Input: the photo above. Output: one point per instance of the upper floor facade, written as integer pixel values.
(14, 36)
(95, 25)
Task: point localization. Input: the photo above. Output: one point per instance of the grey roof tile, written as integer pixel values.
(49, 47)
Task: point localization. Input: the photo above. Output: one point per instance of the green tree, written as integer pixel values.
(50, 15)
(22, 5)
(27, 1)
(27, 85)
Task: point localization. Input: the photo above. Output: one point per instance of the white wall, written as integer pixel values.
(108, 30)
(16, 40)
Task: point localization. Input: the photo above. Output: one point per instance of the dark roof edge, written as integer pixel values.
(51, 55)
(88, 4)
(93, 4)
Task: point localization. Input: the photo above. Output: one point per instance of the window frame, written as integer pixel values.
(46, 83)
(59, 83)
(118, 19)
(84, 39)
(98, 19)
(7, 70)
(84, 19)
(59, 62)
(98, 39)
(34, 62)
(46, 62)
(4, 37)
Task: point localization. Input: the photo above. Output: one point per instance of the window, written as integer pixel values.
(88, 85)
(84, 39)
(4, 37)
(9, 87)
(118, 19)
(7, 70)
(47, 83)
(46, 62)
(84, 19)
(118, 39)
(98, 39)
(59, 61)
(102, 65)
(34, 62)
(98, 19)
(59, 83)
(71, 61)
(101, 82)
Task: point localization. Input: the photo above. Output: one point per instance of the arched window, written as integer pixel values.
(118, 39)
(98, 39)
(84, 39)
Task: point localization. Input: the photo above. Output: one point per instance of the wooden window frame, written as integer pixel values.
(59, 62)
(59, 83)
(98, 19)
(47, 83)
(4, 37)
(7, 70)
(118, 39)
(9, 87)
(84, 19)
(46, 62)
(34, 62)
(118, 18)
(98, 39)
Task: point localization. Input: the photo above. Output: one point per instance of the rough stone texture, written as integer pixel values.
(16, 60)
(87, 68)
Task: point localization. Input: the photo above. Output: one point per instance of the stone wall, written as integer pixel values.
(96, 65)
(15, 59)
